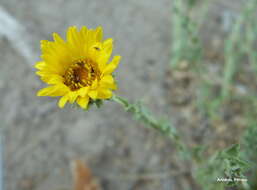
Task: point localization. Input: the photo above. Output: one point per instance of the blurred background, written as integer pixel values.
(191, 61)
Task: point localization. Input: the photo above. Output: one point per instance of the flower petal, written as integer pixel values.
(93, 94)
(108, 82)
(108, 45)
(83, 102)
(40, 65)
(63, 100)
(112, 66)
(99, 34)
(56, 90)
(58, 38)
(83, 91)
(55, 79)
(94, 85)
(112, 86)
(107, 79)
(71, 35)
(104, 94)
(73, 96)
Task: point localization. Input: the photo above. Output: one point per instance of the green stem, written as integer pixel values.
(143, 115)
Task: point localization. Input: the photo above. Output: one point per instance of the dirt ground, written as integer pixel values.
(41, 140)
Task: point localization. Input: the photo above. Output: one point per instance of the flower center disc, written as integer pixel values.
(81, 74)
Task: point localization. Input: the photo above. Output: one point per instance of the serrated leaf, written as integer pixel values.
(233, 150)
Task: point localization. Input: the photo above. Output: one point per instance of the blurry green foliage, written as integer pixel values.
(241, 158)
(225, 164)
(239, 47)
(142, 114)
(185, 45)
(239, 43)
(249, 143)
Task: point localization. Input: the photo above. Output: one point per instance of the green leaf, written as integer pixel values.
(98, 103)
(233, 151)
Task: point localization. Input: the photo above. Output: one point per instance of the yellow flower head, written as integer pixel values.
(77, 69)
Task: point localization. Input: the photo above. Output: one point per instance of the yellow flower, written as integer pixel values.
(77, 69)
